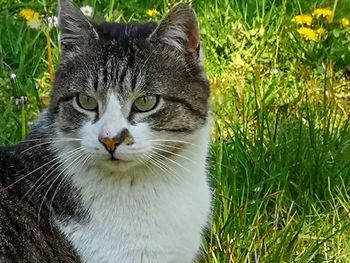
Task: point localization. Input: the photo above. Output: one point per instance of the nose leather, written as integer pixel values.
(110, 143)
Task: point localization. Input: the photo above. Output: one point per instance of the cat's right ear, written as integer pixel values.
(179, 30)
(77, 32)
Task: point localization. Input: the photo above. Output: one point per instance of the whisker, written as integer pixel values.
(81, 163)
(169, 146)
(183, 149)
(53, 182)
(177, 141)
(163, 166)
(163, 156)
(154, 161)
(50, 139)
(40, 167)
(44, 143)
(144, 163)
(67, 158)
(175, 154)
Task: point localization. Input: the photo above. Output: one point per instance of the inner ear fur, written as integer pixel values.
(179, 29)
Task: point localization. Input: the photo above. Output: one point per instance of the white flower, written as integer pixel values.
(34, 23)
(87, 10)
(257, 189)
(20, 100)
(13, 77)
(275, 71)
(23, 99)
(36, 85)
(52, 21)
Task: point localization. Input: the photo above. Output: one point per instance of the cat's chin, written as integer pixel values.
(113, 164)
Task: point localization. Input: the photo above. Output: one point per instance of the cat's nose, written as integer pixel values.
(110, 143)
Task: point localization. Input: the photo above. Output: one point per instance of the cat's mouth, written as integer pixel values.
(118, 159)
(113, 158)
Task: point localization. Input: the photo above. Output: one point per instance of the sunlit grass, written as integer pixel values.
(280, 158)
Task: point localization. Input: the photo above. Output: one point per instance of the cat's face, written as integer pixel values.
(129, 93)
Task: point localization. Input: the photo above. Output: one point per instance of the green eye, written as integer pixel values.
(86, 102)
(145, 103)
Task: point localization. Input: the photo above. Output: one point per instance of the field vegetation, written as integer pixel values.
(280, 154)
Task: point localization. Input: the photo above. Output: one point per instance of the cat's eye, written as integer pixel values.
(145, 103)
(87, 102)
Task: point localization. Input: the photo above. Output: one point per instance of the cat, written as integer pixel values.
(115, 170)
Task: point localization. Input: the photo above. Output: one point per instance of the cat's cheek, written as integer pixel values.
(89, 134)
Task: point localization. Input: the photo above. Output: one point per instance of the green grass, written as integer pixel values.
(281, 136)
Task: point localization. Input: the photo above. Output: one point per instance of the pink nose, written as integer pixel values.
(110, 143)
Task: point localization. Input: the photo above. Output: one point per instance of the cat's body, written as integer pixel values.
(26, 234)
(115, 169)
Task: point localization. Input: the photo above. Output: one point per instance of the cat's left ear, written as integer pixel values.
(179, 30)
(77, 32)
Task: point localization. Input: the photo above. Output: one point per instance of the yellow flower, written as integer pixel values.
(32, 17)
(345, 22)
(308, 33)
(303, 20)
(324, 13)
(321, 32)
(152, 12)
(27, 13)
(261, 31)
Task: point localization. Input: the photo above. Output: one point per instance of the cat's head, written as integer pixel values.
(128, 93)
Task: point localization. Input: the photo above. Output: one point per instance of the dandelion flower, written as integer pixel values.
(326, 13)
(32, 17)
(152, 12)
(34, 23)
(308, 33)
(87, 10)
(13, 77)
(321, 32)
(303, 20)
(345, 22)
(27, 13)
(261, 31)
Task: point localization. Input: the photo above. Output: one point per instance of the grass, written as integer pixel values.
(281, 136)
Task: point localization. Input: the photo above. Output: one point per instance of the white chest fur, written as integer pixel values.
(149, 216)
